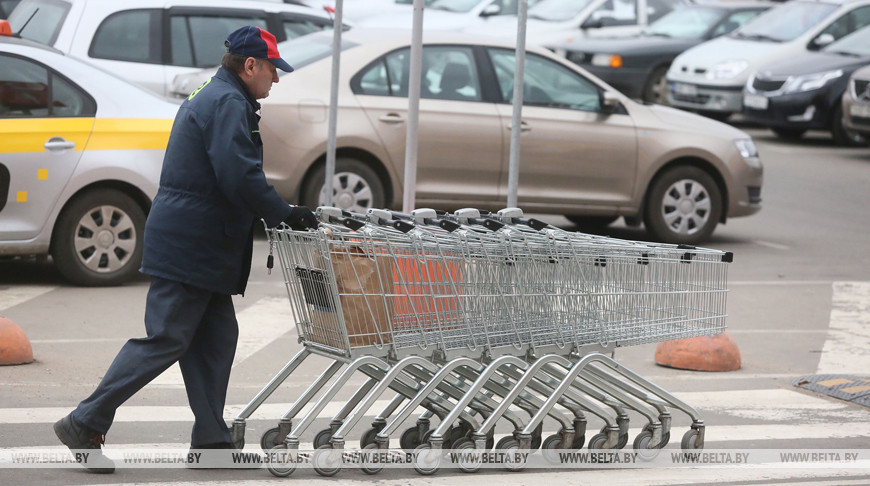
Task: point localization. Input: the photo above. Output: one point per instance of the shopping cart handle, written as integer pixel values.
(402, 226)
(492, 224)
(536, 224)
(444, 224)
(353, 224)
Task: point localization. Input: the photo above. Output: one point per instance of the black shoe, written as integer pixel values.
(85, 445)
(222, 456)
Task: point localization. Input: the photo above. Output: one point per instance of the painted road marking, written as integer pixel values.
(19, 294)
(847, 349)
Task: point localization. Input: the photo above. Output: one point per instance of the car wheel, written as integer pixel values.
(97, 240)
(655, 89)
(355, 187)
(683, 206)
(842, 135)
(788, 133)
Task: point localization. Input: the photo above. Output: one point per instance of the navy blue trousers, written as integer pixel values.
(195, 327)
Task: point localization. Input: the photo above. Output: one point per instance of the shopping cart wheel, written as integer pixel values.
(690, 441)
(369, 466)
(623, 438)
(270, 439)
(641, 446)
(502, 443)
(326, 461)
(510, 446)
(578, 442)
(597, 442)
(368, 437)
(549, 447)
(666, 437)
(469, 458)
(322, 438)
(426, 461)
(280, 461)
(410, 439)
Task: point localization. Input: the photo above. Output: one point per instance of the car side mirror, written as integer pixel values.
(609, 102)
(592, 24)
(823, 40)
(490, 10)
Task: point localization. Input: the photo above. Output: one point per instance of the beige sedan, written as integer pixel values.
(587, 152)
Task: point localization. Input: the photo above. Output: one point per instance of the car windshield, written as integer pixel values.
(455, 5)
(686, 23)
(305, 50)
(557, 10)
(39, 20)
(855, 44)
(785, 22)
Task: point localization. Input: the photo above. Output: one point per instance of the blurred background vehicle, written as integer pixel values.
(448, 15)
(709, 77)
(805, 92)
(856, 103)
(587, 151)
(637, 65)
(557, 21)
(149, 42)
(80, 158)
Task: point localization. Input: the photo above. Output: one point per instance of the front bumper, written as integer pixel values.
(699, 97)
(809, 110)
(856, 115)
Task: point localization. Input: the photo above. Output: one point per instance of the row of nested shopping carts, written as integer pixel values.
(473, 318)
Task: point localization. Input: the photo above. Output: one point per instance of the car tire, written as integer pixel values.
(683, 205)
(97, 240)
(356, 187)
(655, 89)
(789, 133)
(843, 136)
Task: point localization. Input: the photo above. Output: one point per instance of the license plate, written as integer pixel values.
(685, 89)
(755, 102)
(862, 111)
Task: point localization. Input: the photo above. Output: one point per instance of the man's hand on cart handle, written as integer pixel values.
(301, 218)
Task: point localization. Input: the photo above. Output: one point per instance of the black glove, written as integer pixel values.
(301, 218)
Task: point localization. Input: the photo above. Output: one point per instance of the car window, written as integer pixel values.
(855, 44)
(200, 40)
(557, 10)
(131, 35)
(448, 73)
(787, 21)
(734, 21)
(656, 9)
(849, 23)
(545, 83)
(30, 90)
(686, 23)
(39, 20)
(298, 27)
(616, 12)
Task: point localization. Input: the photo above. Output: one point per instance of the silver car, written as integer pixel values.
(587, 151)
(856, 103)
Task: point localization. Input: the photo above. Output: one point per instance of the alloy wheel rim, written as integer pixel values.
(686, 207)
(350, 191)
(105, 239)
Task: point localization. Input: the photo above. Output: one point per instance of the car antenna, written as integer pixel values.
(18, 34)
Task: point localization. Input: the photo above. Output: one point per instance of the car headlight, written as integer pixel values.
(748, 151)
(609, 60)
(809, 82)
(727, 70)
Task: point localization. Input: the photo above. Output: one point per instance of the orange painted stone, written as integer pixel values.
(703, 353)
(14, 344)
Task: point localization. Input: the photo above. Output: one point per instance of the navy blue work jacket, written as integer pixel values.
(212, 190)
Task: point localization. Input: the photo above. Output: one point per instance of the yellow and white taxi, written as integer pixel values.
(80, 158)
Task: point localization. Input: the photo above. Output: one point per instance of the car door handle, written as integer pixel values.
(524, 127)
(391, 118)
(58, 144)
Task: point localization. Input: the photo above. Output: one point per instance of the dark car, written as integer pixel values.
(637, 65)
(804, 93)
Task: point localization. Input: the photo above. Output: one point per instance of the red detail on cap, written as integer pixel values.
(271, 44)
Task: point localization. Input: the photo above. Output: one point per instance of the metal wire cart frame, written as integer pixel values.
(476, 318)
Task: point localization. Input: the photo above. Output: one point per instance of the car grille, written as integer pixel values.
(861, 89)
(759, 84)
(700, 99)
(579, 57)
(754, 194)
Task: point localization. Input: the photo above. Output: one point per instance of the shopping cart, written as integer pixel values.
(475, 316)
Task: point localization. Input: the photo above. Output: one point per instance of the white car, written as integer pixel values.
(357, 10)
(558, 21)
(149, 42)
(447, 15)
(709, 77)
(80, 161)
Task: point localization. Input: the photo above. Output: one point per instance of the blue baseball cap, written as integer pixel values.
(255, 42)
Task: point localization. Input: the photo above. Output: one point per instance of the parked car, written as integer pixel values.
(80, 159)
(805, 93)
(149, 42)
(856, 103)
(709, 77)
(637, 65)
(357, 10)
(447, 15)
(555, 21)
(587, 151)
